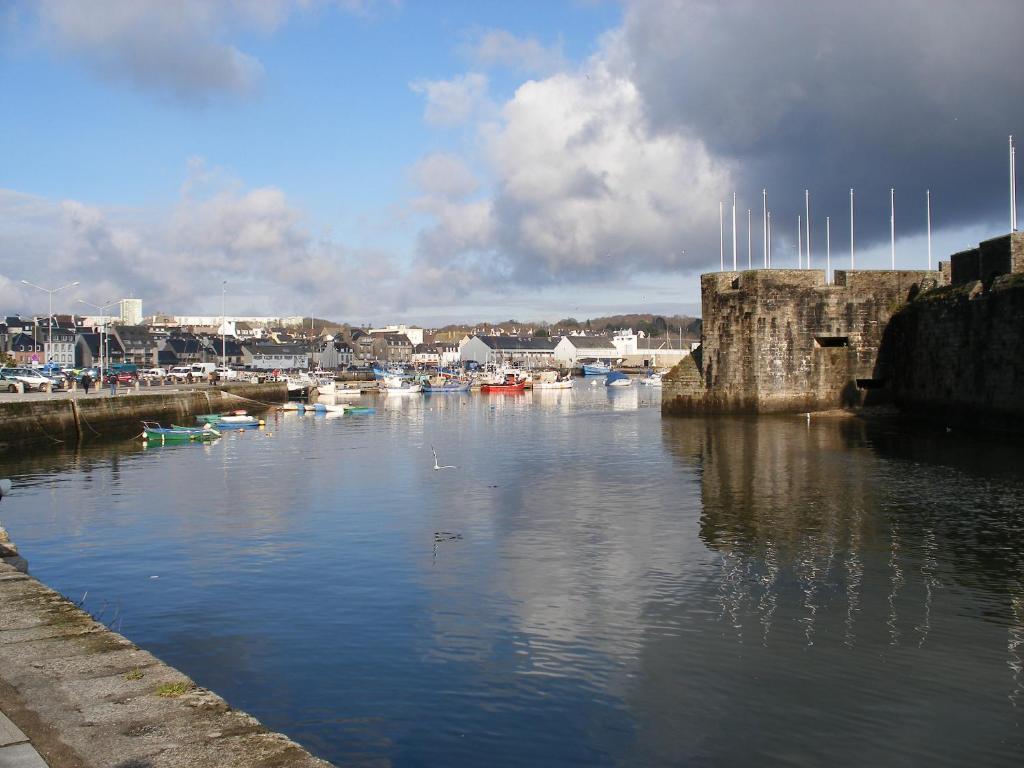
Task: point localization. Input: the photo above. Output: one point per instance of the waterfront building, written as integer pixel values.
(526, 351)
(331, 353)
(571, 349)
(25, 349)
(87, 350)
(139, 345)
(269, 357)
(392, 347)
(415, 335)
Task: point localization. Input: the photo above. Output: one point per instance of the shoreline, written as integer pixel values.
(39, 423)
(84, 696)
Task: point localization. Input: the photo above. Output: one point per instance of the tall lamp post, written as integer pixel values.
(49, 317)
(103, 313)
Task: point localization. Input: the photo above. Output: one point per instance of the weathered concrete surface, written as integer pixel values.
(86, 697)
(46, 422)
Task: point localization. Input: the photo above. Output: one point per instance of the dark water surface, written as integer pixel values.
(625, 591)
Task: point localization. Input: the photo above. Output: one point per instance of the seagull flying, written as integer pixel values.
(436, 467)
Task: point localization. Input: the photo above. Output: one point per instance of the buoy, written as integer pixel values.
(263, 423)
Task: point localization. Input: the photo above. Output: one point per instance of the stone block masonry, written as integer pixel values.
(87, 697)
(957, 353)
(786, 341)
(42, 423)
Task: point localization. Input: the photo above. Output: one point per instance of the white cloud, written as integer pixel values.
(218, 229)
(455, 101)
(498, 47)
(177, 48)
(445, 175)
(582, 187)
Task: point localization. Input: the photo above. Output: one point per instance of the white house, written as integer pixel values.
(571, 349)
(415, 335)
(522, 350)
(625, 342)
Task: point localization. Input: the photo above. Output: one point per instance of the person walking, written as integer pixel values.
(113, 384)
(86, 382)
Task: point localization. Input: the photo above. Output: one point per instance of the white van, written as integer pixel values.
(202, 371)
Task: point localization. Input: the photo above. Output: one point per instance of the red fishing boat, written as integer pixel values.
(511, 385)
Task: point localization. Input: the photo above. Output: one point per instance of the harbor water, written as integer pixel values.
(590, 585)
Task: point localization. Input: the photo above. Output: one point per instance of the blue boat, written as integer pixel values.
(596, 369)
(437, 385)
(616, 379)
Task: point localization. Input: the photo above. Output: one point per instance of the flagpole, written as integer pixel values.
(769, 215)
(764, 223)
(851, 229)
(733, 231)
(807, 223)
(828, 250)
(1013, 186)
(928, 197)
(892, 226)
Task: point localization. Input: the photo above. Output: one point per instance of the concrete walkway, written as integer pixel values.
(81, 696)
(16, 751)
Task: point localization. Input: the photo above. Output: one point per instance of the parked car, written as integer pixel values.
(30, 378)
(154, 375)
(227, 374)
(8, 381)
(126, 377)
(181, 372)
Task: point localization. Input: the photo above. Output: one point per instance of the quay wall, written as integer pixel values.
(37, 423)
(958, 355)
(86, 696)
(787, 341)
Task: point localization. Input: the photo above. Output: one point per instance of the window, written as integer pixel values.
(832, 341)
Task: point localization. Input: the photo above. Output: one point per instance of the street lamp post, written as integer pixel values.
(49, 318)
(102, 309)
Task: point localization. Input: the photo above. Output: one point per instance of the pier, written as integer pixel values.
(74, 693)
(47, 420)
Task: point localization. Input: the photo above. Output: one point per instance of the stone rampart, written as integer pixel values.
(30, 423)
(785, 340)
(958, 354)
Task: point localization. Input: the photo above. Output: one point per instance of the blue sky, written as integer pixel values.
(434, 161)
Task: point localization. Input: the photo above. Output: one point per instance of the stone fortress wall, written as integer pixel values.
(785, 341)
(945, 343)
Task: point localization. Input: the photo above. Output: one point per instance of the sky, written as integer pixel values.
(435, 161)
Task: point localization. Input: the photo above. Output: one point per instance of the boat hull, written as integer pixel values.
(503, 389)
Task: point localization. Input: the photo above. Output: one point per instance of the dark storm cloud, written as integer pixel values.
(832, 95)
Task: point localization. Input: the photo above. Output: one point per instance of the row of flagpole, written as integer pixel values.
(803, 227)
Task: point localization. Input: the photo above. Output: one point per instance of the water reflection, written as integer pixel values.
(625, 590)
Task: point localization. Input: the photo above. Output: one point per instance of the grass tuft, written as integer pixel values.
(173, 690)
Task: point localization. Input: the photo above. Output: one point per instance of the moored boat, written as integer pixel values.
(650, 380)
(441, 384)
(552, 380)
(153, 432)
(596, 368)
(396, 385)
(511, 385)
(616, 379)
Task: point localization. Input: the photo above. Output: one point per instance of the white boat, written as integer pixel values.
(396, 385)
(651, 380)
(615, 379)
(346, 392)
(552, 380)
